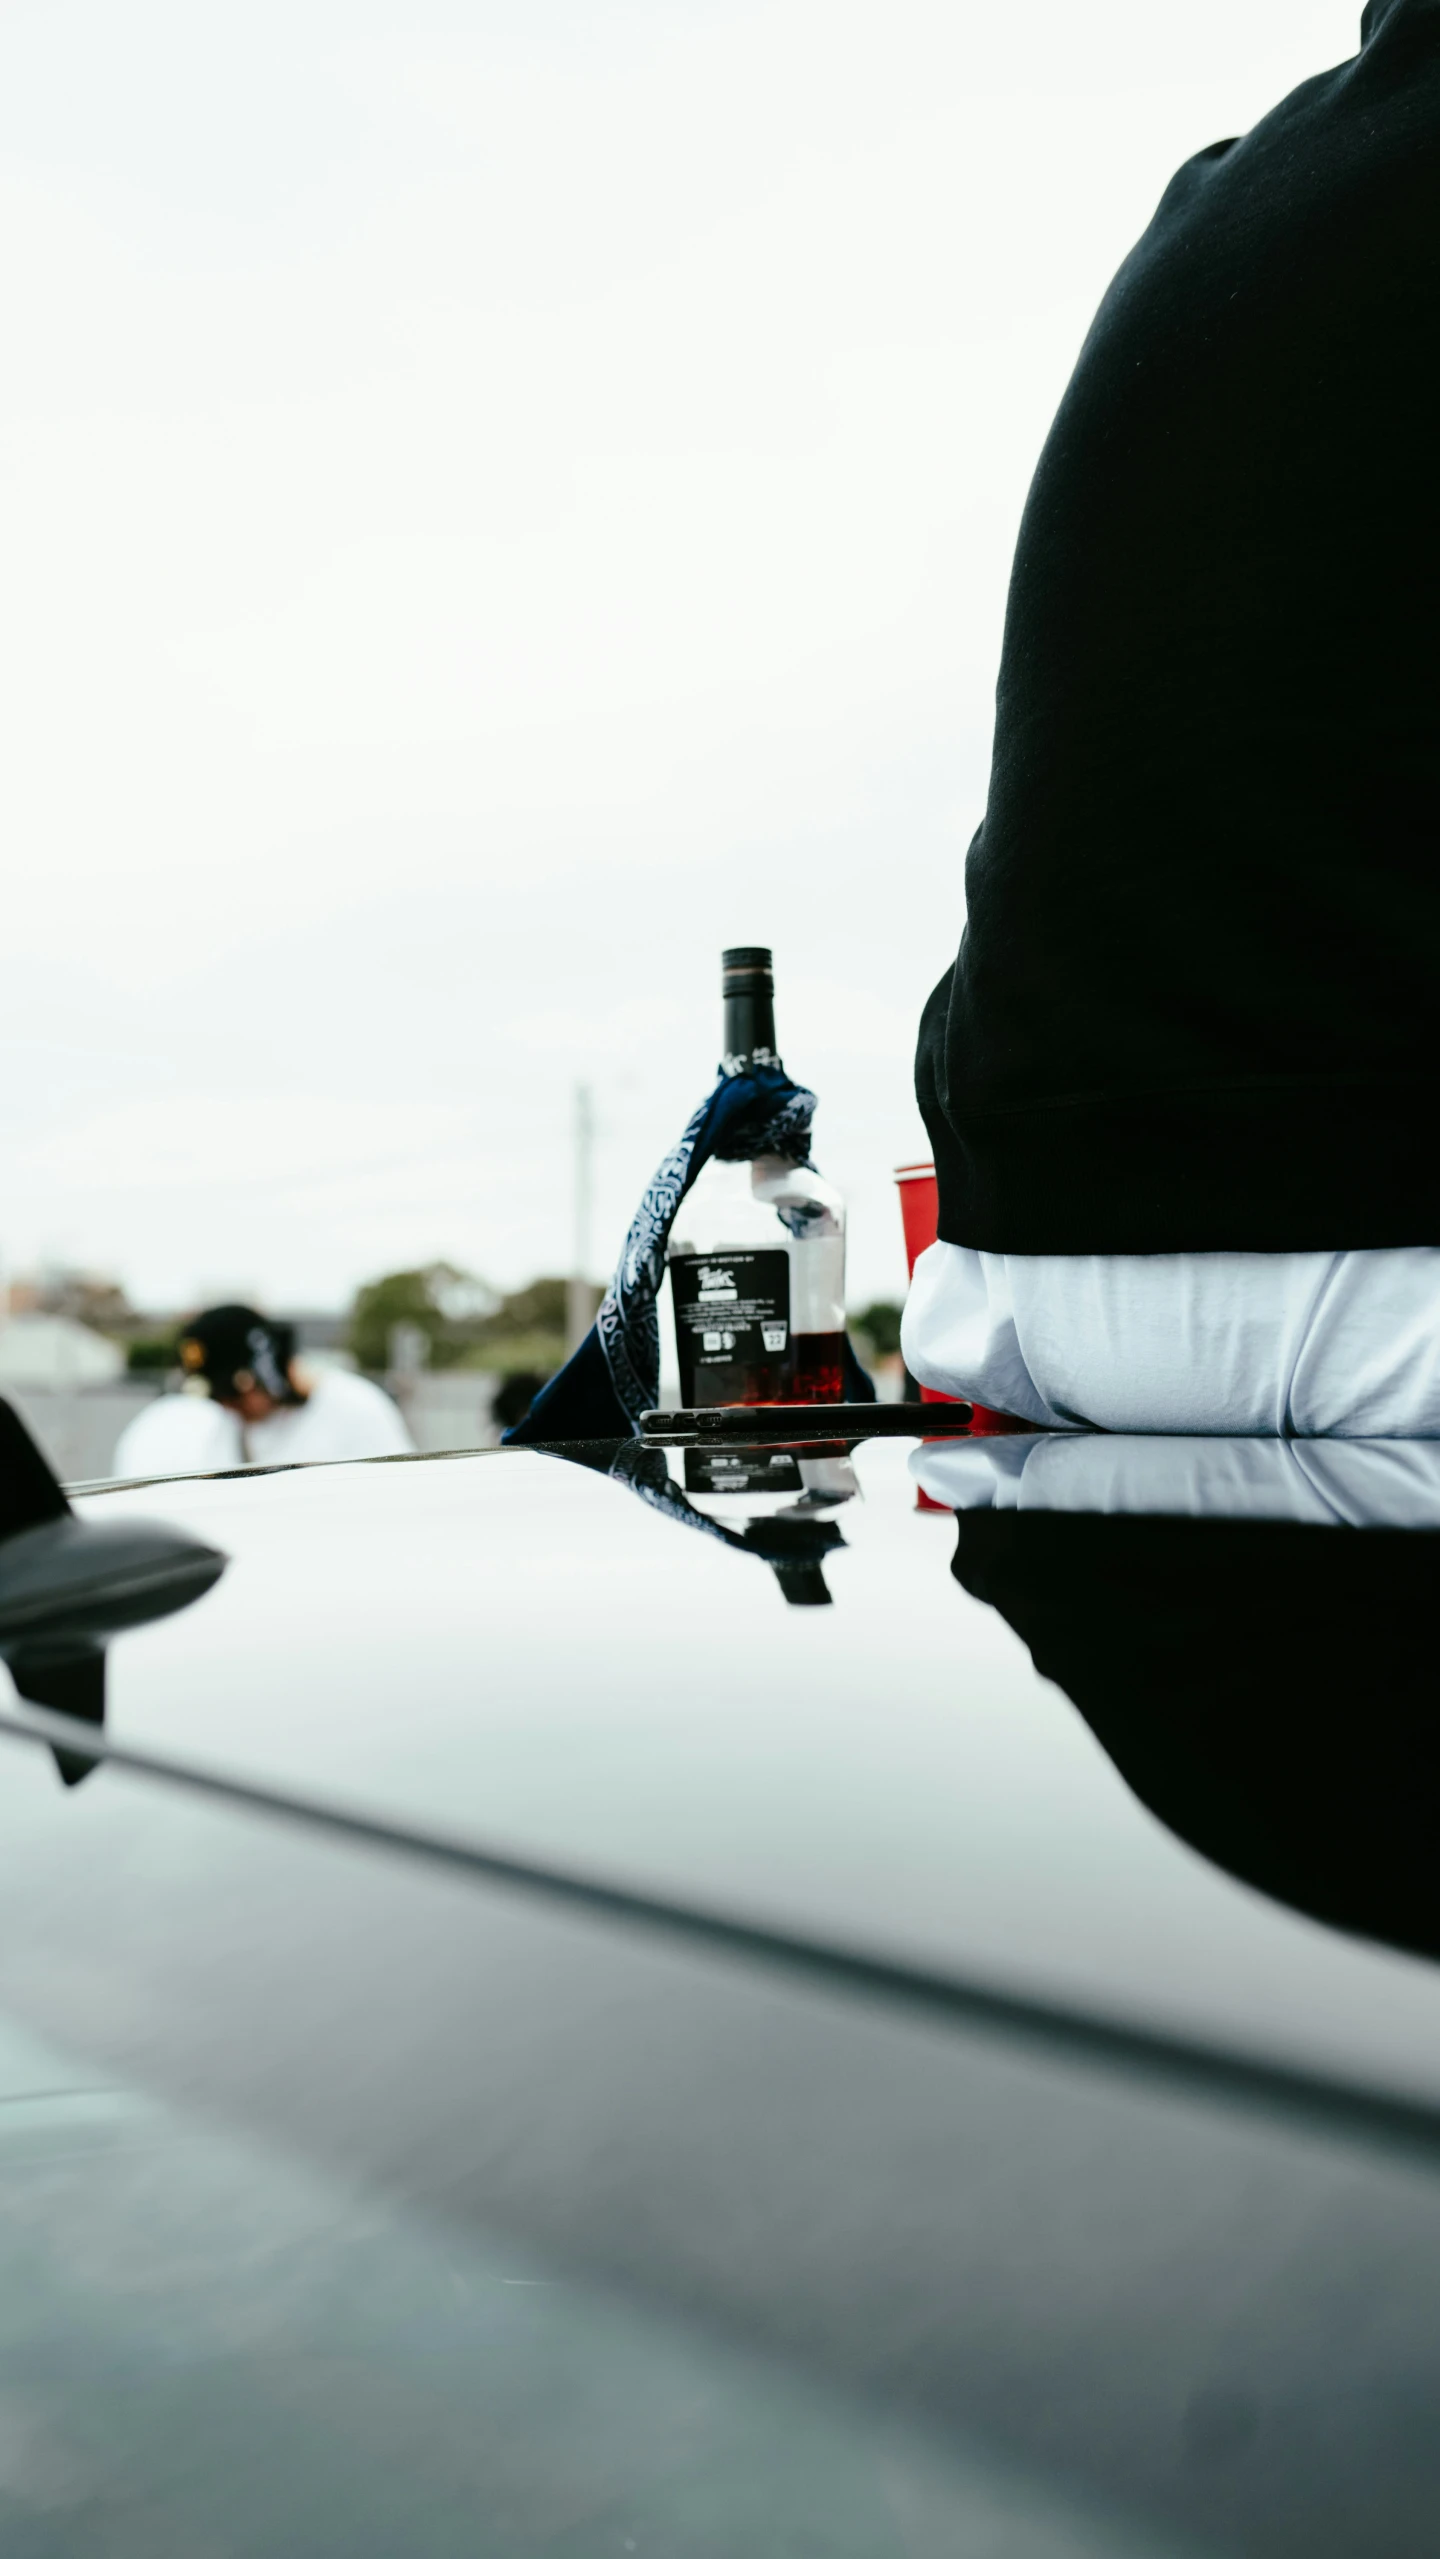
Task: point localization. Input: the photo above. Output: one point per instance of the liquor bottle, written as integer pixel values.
(757, 1257)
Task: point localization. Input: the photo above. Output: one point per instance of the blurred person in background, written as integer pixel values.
(1181, 1081)
(248, 1401)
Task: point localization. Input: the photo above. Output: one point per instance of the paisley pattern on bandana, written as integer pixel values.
(627, 1324)
(614, 1377)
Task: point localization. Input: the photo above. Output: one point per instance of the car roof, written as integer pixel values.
(508, 1653)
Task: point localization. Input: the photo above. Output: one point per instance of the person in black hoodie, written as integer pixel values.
(1181, 1081)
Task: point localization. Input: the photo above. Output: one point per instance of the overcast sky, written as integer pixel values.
(499, 502)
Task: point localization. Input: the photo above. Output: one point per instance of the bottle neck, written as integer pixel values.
(749, 1031)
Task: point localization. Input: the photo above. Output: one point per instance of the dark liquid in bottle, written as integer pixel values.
(817, 1370)
(735, 1381)
(810, 1371)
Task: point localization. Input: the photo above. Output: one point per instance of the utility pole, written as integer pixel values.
(579, 1295)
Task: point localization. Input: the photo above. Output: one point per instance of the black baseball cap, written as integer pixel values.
(234, 1348)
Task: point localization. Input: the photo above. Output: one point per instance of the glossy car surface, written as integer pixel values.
(528, 2040)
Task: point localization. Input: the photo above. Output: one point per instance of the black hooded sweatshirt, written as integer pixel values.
(1195, 1005)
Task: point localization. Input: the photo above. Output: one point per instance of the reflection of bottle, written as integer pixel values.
(795, 1550)
(757, 1261)
(728, 1474)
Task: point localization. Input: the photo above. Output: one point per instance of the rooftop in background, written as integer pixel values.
(54, 1351)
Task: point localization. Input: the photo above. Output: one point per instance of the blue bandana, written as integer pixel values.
(614, 1376)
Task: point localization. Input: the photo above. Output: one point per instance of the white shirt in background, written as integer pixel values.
(179, 1435)
(342, 1417)
(1309, 1345)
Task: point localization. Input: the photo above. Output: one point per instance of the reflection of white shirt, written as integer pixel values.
(1332, 1483)
(342, 1416)
(1310, 1344)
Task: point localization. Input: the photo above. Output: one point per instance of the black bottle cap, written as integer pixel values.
(746, 971)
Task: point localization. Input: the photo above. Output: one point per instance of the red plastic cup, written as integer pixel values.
(920, 1215)
(919, 1208)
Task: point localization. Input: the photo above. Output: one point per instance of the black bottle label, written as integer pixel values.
(731, 1308)
(739, 1471)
